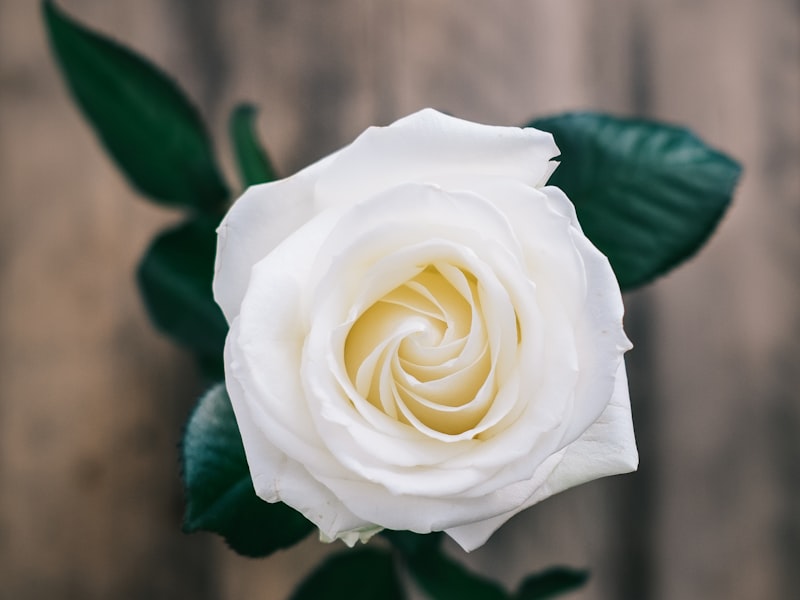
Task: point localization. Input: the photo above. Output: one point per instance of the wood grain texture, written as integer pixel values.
(92, 400)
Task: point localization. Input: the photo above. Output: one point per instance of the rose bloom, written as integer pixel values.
(421, 336)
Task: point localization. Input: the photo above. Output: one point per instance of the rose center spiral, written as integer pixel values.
(421, 353)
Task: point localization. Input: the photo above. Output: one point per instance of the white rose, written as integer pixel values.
(421, 336)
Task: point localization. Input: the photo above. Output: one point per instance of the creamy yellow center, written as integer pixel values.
(421, 353)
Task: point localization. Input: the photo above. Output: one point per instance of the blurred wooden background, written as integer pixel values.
(92, 400)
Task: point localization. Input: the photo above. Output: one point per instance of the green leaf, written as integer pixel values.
(253, 162)
(441, 577)
(411, 544)
(648, 195)
(219, 491)
(551, 583)
(363, 574)
(175, 281)
(141, 116)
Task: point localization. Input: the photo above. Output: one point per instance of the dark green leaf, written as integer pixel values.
(648, 195)
(141, 116)
(253, 162)
(441, 577)
(363, 574)
(551, 583)
(219, 491)
(175, 280)
(412, 544)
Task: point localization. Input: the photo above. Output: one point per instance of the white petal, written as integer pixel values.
(599, 334)
(264, 349)
(575, 280)
(278, 478)
(428, 145)
(258, 221)
(606, 448)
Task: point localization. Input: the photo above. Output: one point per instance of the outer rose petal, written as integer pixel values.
(428, 146)
(259, 220)
(607, 448)
(278, 478)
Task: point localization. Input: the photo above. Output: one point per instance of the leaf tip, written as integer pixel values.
(244, 109)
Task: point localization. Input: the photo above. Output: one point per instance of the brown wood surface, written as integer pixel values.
(92, 400)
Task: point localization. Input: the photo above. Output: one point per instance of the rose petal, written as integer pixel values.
(600, 331)
(263, 350)
(279, 478)
(394, 157)
(607, 447)
(258, 221)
